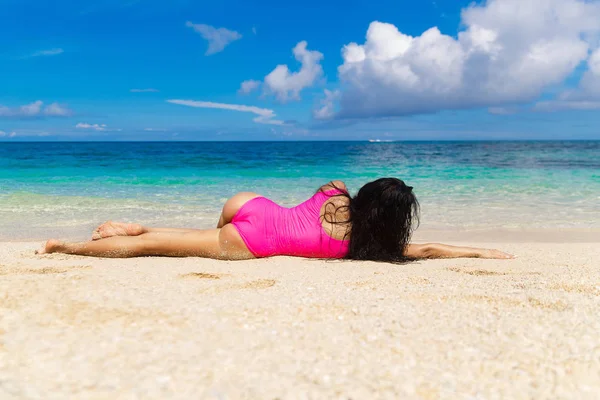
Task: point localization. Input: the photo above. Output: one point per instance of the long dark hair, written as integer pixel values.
(382, 217)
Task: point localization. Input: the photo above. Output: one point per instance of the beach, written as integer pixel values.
(155, 328)
(356, 131)
(287, 328)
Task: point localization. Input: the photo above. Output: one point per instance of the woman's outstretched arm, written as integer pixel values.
(438, 250)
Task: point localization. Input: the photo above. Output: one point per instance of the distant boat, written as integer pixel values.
(379, 141)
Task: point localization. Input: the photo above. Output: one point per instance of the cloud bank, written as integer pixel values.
(264, 115)
(35, 110)
(509, 52)
(217, 38)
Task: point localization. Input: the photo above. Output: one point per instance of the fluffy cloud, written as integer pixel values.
(149, 90)
(249, 86)
(286, 85)
(508, 53)
(218, 38)
(6, 134)
(31, 110)
(327, 105)
(264, 115)
(586, 96)
(35, 110)
(56, 110)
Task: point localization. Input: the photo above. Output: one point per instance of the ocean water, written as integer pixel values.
(65, 189)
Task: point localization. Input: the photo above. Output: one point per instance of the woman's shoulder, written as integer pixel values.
(339, 185)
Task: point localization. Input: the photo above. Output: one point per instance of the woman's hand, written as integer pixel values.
(438, 250)
(495, 254)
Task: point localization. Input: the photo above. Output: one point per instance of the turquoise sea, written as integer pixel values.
(65, 189)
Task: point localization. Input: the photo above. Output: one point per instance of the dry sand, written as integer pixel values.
(83, 328)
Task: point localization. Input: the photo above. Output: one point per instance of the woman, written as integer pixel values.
(376, 225)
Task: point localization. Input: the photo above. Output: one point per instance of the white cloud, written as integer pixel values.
(286, 85)
(265, 115)
(218, 38)
(508, 53)
(149, 90)
(45, 53)
(249, 86)
(327, 109)
(34, 110)
(586, 96)
(31, 110)
(96, 127)
(6, 134)
(56, 110)
(25, 133)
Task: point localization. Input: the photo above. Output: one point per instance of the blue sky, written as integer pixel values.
(155, 70)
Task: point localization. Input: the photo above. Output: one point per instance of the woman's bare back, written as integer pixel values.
(335, 213)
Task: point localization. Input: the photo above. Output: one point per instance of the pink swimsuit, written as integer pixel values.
(271, 230)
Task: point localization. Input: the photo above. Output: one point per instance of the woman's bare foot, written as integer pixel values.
(496, 254)
(51, 246)
(110, 228)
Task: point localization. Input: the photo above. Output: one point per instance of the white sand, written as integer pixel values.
(84, 328)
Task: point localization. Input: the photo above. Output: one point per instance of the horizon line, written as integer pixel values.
(301, 140)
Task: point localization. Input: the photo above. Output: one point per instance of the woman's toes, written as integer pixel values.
(135, 229)
(50, 247)
(106, 230)
(97, 233)
(110, 228)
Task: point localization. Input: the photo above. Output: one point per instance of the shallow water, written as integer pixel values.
(64, 189)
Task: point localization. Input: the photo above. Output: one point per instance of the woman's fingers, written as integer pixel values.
(497, 254)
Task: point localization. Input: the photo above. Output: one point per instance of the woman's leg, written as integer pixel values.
(222, 244)
(111, 228)
(231, 207)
